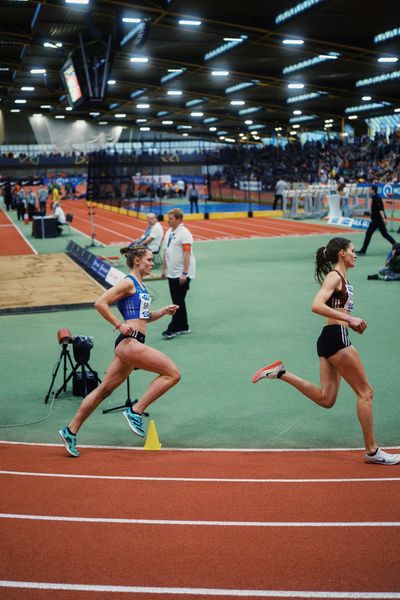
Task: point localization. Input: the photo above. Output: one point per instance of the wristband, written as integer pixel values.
(185, 274)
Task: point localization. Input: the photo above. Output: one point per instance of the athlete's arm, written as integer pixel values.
(120, 290)
(331, 284)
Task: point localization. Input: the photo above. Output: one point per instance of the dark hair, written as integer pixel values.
(327, 256)
(374, 188)
(133, 252)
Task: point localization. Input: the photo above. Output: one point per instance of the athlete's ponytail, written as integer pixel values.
(133, 252)
(327, 256)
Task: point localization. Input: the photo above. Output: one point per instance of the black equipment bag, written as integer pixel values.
(78, 387)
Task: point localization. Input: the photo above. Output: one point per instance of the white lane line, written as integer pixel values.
(198, 479)
(187, 522)
(21, 234)
(241, 593)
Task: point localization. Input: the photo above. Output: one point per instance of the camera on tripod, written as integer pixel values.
(84, 379)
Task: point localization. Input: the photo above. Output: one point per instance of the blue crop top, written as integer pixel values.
(136, 306)
(344, 297)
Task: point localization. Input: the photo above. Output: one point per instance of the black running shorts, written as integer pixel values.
(136, 335)
(332, 339)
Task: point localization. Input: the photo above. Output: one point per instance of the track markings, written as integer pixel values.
(193, 523)
(241, 593)
(200, 479)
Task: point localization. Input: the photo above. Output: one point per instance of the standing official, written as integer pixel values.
(378, 221)
(179, 266)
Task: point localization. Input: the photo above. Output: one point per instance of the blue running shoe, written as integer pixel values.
(69, 441)
(135, 422)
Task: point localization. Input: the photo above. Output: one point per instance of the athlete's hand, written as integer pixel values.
(358, 325)
(171, 309)
(125, 329)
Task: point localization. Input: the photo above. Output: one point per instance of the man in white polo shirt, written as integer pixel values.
(152, 235)
(179, 266)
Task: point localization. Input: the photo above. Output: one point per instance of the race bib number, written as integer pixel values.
(145, 303)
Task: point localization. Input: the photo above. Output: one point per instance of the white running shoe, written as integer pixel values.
(270, 371)
(383, 458)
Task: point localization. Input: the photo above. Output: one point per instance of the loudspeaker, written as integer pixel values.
(78, 388)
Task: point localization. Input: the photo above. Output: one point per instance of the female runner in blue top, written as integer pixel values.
(338, 358)
(130, 350)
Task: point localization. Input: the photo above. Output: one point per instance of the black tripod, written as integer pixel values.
(64, 358)
(128, 402)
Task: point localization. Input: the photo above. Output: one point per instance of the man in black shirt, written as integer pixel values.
(378, 221)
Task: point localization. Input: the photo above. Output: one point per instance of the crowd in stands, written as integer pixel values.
(362, 159)
(315, 162)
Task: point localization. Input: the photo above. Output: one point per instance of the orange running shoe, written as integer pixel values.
(276, 370)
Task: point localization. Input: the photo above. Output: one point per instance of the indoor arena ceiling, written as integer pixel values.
(337, 63)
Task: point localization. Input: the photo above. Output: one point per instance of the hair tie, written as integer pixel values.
(324, 251)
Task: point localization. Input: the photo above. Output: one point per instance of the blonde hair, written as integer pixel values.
(177, 212)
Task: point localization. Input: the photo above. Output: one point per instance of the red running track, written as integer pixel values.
(12, 242)
(190, 523)
(113, 228)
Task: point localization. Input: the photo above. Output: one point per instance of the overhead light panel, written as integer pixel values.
(388, 59)
(293, 42)
(248, 122)
(38, 71)
(184, 127)
(15, 110)
(378, 79)
(197, 114)
(54, 45)
(142, 106)
(304, 97)
(174, 92)
(131, 20)
(237, 102)
(171, 74)
(141, 120)
(229, 45)
(27, 88)
(295, 86)
(20, 101)
(120, 115)
(387, 35)
(371, 106)
(302, 118)
(139, 59)
(111, 82)
(195, 101)
(366, 98)
(103, 123)
(220, 73)
(352, 117)
(167, 122)
(210, 120)
(190, 22)
(304, 64)
(241, 86)
(137, 93)
(144, 128)
(76, 1)
(60, 116)
(297, 112)
(45, 106)
(295, 10)
(251, 109)
(212, 129)
(162, 113)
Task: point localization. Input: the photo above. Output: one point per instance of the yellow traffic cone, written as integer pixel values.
(152, 441)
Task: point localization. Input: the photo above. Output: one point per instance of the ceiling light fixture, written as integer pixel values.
(298, 8)
(387, 59)
(219, 73)
(190, 22)
(197, 114)
(38, 71)
(131, 20)
(174, 92)
(27, 88)
(139, 59)
(293, 42)
(237, 102)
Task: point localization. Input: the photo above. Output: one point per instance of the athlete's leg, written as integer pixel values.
(326, 394)
(150, 359)
(349, 365)
(117, 372)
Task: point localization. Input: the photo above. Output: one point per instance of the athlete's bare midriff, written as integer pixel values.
(330, 321)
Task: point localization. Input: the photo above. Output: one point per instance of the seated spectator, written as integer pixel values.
(60, 216)
(391, 271)
(152, 235)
